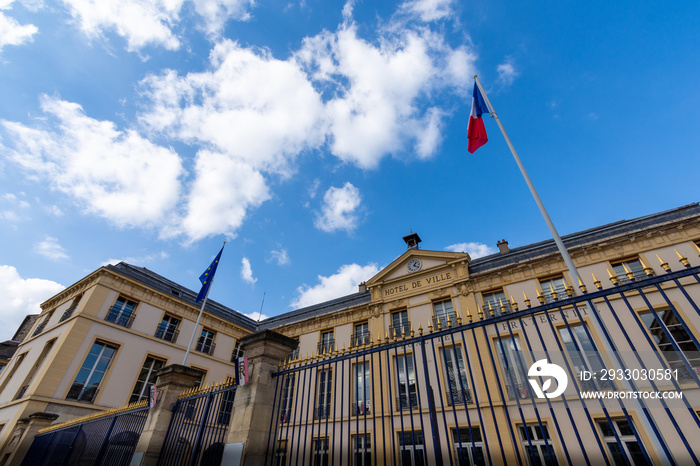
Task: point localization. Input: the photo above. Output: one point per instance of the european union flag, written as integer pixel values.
(207, 277)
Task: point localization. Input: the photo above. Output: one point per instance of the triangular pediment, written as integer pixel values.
(416, 262)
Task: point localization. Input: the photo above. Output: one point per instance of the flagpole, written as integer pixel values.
(199, 317)
(557, 239)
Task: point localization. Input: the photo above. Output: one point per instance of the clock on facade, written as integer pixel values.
(414, 265)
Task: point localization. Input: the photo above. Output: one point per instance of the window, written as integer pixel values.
(69, 312)
(361, 450)
(583, 355)
(690, 353)
(514, 368)
(406, 381)
(319, 451)
(281, 453)
(87, 383)
(628, 270)
(8, 377)
(627, 450)
(122, 312)
(360, 335)
(442, 312)
(493, 302)
(542, 445)
(459, 392)
(327, 342)
(167, 329)
(205, 344)
(469, 447)
(399, 324)
(412, 448)
(323, 394)
(287, 398)
(147, 377)
(40, 328)
(361, 405)
(28, 379)
(557, 284)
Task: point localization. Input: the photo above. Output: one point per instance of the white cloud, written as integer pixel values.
(115, 174)
(152, 22)
(344, 282)
(50, 249)
(279, 256)
(339, 209)
(473, 249)
(247, 272)
(11, 32)
(506, 72)
(138, 260)
(428, 10)
(256, 316)
(21, 297)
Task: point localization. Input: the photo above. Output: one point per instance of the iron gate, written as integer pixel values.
(472, 388)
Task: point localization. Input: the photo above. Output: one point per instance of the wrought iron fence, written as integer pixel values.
(107, 438)
(197, 431)
(497, 410)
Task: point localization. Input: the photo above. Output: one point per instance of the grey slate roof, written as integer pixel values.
(482, 264)
(170, 288)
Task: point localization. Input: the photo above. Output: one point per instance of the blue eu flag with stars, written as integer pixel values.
(208, 275)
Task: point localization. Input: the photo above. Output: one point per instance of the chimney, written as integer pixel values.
(412, 240)
(363, 287)
(503, 246)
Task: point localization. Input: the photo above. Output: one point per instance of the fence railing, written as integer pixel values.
(424, 413)
(197, 431)
(106, 438)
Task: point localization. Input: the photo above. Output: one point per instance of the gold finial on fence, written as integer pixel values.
(581, 286)
(596, 282)
(647, 270)
(481, 313)
(396, 335)
(403, 332)
(613, 278)
(527, 300)
(513, 304)
(503, 307)
(540, 297)
(628, 272)
(420, 329)
(569, 289)
(412, 334)
(697, 248)
(459, 317)
(386, 337)
(430, 328)
(555, 295)
(491, 309)
(682, 260)
(664, 264)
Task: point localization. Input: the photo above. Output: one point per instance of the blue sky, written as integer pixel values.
(313, 135)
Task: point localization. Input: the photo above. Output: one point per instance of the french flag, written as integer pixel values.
(476, 131)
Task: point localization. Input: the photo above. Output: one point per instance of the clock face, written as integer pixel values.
(414, 265)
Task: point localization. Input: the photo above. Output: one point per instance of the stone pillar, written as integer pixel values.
(172, 380)
(23, 436)
(252, 406)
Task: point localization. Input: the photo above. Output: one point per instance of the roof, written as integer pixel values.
(480, 265)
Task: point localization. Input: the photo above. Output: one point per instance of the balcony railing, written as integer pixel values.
(406, 401)
(116, 316)
(361, 408)
(206, 348)
(445, 321)
(360, 339)
(400, 329)
(635, 275)
(496, 307)
(167, 334)
(322, 412)
(326, 346)
(459, 397)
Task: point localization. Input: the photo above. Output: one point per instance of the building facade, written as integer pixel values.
(433, 361)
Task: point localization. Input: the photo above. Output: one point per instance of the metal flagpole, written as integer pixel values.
(199, 317)
(557, 239)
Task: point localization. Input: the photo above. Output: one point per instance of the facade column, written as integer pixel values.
(23, 436)
(172, 380)
(252, 405)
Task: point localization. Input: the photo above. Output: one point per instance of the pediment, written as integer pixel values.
(429, 260)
